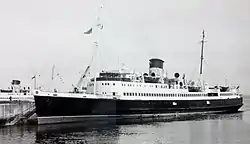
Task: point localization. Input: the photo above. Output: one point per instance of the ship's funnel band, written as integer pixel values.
(156, 63)
(15, 82)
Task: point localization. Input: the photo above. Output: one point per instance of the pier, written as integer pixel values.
(17, 113)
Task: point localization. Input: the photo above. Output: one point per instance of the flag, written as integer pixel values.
(100, 26)
(89, 31)
(34, 76)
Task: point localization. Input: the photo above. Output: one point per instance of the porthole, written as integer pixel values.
(208, 102)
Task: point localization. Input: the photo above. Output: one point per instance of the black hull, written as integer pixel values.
(78, 109)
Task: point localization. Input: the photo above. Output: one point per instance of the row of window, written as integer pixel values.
(107, 84)
(162, 94)
(226, 94)
(13, 98)
(140, 85)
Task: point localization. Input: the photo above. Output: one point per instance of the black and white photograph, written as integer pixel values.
(124, 72)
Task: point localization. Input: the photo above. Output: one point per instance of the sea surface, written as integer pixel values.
(231, 128)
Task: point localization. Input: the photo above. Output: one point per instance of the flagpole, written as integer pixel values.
(35, 82)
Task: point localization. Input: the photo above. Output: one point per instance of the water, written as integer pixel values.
(198, 129)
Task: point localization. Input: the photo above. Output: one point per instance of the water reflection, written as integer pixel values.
(77, 133)
(148, 130)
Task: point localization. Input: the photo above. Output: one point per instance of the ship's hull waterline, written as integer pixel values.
(51, 109)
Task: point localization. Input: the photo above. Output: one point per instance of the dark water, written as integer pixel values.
(193, 129)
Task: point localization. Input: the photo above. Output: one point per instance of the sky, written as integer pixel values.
(36, 34)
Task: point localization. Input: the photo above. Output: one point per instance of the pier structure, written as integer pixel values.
(16, 113)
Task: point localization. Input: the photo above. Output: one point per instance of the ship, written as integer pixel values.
(123, 94)
(16, 93)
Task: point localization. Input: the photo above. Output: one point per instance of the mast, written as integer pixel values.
(98, 27)
(202, 46)
(53, 69)
(35, 82)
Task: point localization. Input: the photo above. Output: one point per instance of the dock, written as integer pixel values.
(17, 113)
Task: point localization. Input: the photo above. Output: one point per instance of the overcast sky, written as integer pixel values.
(35, 34)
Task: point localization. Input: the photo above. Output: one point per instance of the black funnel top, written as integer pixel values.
(156, 63)
(15, 82)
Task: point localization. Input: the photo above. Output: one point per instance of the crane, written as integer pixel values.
(79, 84)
